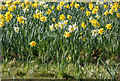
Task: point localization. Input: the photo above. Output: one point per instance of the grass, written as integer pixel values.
(34, 70)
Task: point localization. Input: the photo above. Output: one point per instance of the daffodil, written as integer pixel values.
(76, 5)
(106, 12)
(2, 7)
(61, 24)
(62, 17)
(100, 31)
(66, 34)
(75, 26)
(83, 39)
(118, 15)
(97, 16)
(1, 24)
(58, 7)
(67, 6)
(54, 19)
(25, 10)
(105, 6)
(8, 16)
(90, 6)
(37, 11)
(49, 11)
(21, 19)
(8, 3)
(62, 3)
(108, 26)
(16, 29)
(94, 32)
(111, 11)
(22, 5)
(71, 28)
(116, 10)
(1, 16)
(45, 6)
(2, 20)
(116, 5)
(80, 33)
(88, 13)
(27, 3)
(43, 18)
(95, 23)
(113, 7)
(33, 43)
(10, 8)
(56, 25)
(39, 15)
(66, 21)
(41, 3)
(68, 58)
(97, 8)
(35, 5)
(80, 37)
(71, 5)
(98, 2)
(82, 8)
(83, 25)
(94, 11)
(69, 17)
(52, 7)
(51, 27)
(90, 19)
